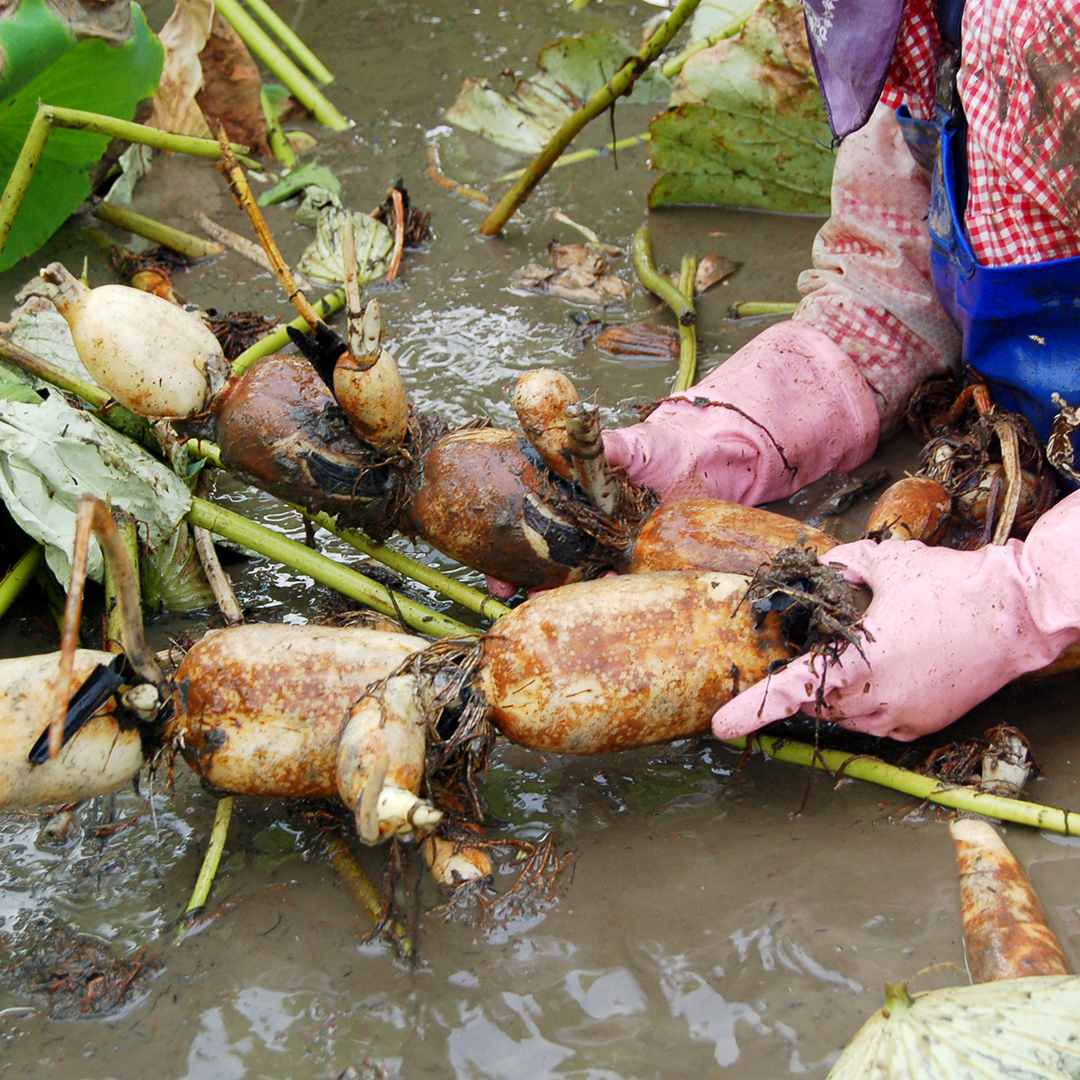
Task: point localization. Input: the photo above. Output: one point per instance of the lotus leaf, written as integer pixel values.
(51, 453)
(748, 126)
(1016, 1028)
(571, 71)
(324, 260)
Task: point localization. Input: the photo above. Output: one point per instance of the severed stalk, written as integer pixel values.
(399, 233)
(93, 517)
(129, 537)
(749, 309)
(687, 333)
(220, 584)
(233, 241)
(681, 306)
(230, 169)
(149, 229)
(315, 67)
(576, 156)
(435, 173)
(50, 116)
(1009, 442)
(671, 68)
(361, 886)
(586, 450)
(273, 545)
(958, 797)
(241, 245)
(266, 49)
(279, 338)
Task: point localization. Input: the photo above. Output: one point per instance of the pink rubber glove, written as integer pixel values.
(787, 408)
(945, 629)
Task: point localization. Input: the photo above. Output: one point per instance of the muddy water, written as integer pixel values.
(722, 917)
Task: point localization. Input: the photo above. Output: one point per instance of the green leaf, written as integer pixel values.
(712, 156)
(13, 387)
(45, 61)
(292, 184)
(748, 126)
(571, 71)
(172, 576)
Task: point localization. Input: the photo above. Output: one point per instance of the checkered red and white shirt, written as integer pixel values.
(1020, 85)
(870, 290)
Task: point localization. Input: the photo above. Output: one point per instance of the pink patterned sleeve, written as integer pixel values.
(870, 289)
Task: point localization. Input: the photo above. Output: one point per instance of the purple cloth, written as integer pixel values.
(852, 42)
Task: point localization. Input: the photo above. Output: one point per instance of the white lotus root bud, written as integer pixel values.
(153, 357)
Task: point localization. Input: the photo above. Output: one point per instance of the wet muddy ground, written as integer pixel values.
(724, 917)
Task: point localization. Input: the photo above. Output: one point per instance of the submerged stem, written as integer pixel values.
(363, 888)
(211, 860)
(687, 333)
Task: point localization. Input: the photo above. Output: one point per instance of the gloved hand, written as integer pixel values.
(944, 630)
(787, 408)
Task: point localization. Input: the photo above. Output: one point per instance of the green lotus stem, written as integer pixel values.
(287, 36)
(641, 251)
(576, 156)
(208, 451)
(687, 334)
(211, 861)
(747, 308)
(359, 883)
(97, 124)
(19, 576)
(129, 538)
(860, 767)
(279, 338)
(116, 416)
(621, 83)
(673, 66)
(465, 595)
(303, 560)
(297, 83)
(49, 116)
(195, 247)
(22, 172)
(275, 135)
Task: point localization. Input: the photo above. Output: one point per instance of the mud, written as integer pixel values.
(723, 917)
